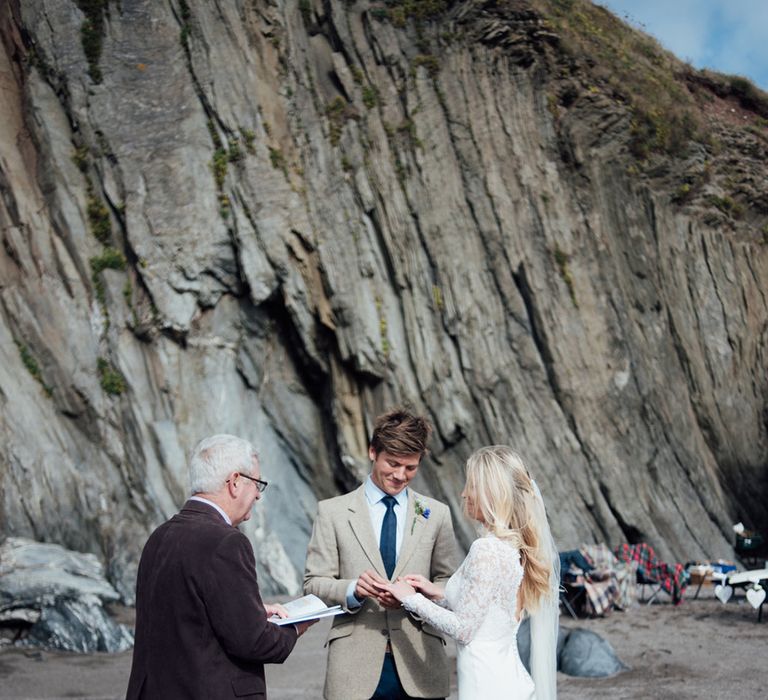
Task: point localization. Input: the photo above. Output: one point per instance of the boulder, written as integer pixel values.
(524, 642)
(55, 598)
(588, 655)
(78, 625)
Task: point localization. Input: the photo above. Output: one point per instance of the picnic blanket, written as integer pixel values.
(601, 595)
(672, 577)
(600, 586)
(622, 573)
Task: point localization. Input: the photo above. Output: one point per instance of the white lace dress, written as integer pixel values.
(479, 611)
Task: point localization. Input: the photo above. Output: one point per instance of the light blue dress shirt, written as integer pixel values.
(377, 510)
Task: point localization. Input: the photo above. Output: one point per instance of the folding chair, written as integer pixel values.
(748, 546)
(573, 567)
(651, 571)
(571, 595)
(643, 580)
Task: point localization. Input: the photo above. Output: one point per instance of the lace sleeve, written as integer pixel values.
(484, 571)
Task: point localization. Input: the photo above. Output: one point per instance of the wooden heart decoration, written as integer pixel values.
(755, 596)
(723, 593)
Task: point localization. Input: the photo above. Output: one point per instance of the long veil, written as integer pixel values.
(545, 621)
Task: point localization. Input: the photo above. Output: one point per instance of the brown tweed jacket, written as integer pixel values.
(201, 627)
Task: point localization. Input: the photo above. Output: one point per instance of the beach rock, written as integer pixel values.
(56, 597)
(34, 572)
(588, 655)
(80, 625)
(524, 641)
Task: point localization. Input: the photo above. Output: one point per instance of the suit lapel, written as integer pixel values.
(360, 522)
(413, 532)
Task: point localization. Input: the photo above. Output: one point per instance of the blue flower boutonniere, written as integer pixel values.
(421, 510)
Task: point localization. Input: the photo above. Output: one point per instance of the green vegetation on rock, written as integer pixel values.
(98, 217)
(561, 260)
(249, 137)
(370, 96)
(32, 366)
(727, 205)
(110, 259)
(400, 11)
(80, 159)
(276, 158)
(631, 66)
(186, 28)
(429, 62)
(111, 380)
(219, 166)
(338, 112)
(305, 7)
(92, 34)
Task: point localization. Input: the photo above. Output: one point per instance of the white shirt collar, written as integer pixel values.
(212, 504)
(374, 494)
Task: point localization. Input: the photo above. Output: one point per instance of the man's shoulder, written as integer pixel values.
(339, 502)
(197, 521)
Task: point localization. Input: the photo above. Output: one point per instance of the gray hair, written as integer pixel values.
(215, 457)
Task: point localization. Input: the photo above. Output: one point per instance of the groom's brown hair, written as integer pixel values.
(400, 432)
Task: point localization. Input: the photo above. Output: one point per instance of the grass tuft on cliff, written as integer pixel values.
(92, 34)
(400, 11)
(664, 94)
(32, 366)
(682, 119)
(111, 380)
(631, 66)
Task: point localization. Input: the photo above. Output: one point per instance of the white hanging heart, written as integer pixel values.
(755, 596)
(723, 593)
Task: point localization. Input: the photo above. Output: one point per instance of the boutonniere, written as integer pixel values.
(421, 511)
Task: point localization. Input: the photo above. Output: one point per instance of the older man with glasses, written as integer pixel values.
(201, 626)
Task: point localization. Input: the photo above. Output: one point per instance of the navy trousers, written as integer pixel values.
(389, 687)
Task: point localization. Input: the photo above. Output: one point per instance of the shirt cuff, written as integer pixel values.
(352, 601)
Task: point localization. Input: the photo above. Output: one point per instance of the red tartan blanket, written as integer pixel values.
(672, 577)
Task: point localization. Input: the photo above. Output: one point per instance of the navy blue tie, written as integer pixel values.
(388, 540)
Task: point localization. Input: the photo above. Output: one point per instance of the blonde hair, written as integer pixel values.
(508, 504)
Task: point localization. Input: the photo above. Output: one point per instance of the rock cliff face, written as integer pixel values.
(275, 219)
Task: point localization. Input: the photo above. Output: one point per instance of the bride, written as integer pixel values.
(512, 570)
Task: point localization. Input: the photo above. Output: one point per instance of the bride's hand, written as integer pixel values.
(400, 589)
(424, 586)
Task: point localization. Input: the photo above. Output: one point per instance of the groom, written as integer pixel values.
(367, 538)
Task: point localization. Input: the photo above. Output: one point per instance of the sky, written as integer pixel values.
(729, 36)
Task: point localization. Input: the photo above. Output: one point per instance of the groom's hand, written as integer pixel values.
(387, 600)
(369, 585)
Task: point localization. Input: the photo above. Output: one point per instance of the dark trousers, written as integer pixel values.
(389, 687)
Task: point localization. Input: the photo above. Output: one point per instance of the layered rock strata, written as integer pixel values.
(275, 219)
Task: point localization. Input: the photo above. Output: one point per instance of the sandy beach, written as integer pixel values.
(700, 649)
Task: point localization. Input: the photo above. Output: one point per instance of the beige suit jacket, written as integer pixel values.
(343, 545)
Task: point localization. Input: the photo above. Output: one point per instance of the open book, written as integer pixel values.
(310, 607)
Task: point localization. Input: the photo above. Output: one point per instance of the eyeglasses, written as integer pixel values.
(260, 484)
